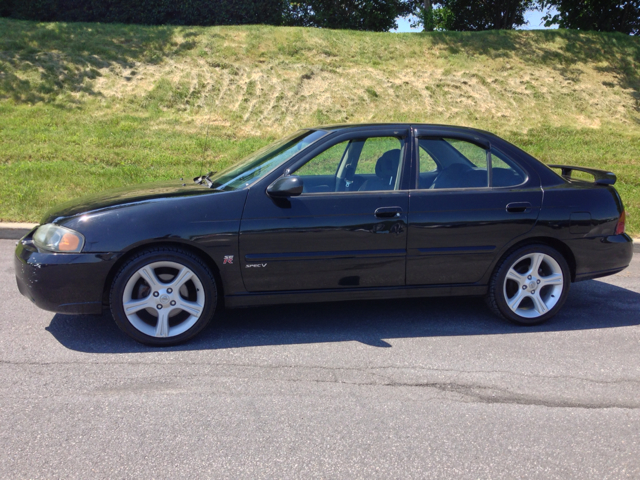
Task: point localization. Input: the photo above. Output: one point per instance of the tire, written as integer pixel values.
(163, 296)
(527, 297)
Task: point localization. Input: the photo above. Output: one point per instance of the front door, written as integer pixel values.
(347, 229)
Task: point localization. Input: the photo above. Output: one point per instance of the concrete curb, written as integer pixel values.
(15, 231)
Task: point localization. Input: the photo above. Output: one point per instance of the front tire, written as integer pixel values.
(163, 296)
(530, 285)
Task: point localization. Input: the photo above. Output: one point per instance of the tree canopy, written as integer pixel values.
(156, 12)
(597, 15)
(472, 15)
(372, 15)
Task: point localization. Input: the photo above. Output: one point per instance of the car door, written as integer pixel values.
(347, 229)
(470, 200)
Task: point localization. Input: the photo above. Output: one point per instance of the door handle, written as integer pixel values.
(388, 212)
(518, 207)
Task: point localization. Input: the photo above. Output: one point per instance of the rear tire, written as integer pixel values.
(530, 285)
(163, 296)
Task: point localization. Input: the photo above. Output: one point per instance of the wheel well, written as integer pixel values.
(551, 242)
(189, 248)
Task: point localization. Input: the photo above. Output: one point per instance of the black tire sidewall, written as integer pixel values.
(497, 287)
(161, 255)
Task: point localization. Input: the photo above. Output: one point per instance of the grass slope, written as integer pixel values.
(85, 107)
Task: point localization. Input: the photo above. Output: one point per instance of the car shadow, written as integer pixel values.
(591, 305)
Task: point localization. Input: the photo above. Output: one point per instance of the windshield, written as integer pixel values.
(260, 163)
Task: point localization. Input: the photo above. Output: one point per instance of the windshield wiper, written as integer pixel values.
(205, 179)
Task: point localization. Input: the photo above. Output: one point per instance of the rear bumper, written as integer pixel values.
(601, 256)
(63, 283)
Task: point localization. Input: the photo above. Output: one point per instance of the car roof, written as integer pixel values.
(347, 126)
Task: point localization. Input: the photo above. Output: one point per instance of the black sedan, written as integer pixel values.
(332, 213)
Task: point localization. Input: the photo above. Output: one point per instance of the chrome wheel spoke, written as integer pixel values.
(539, 304)
(514, 302)
(553, 279)
(149, 275)
(191, 308)
(162, 327)
(516, 277)
(133, 306)
(536, 261)
(183, 276)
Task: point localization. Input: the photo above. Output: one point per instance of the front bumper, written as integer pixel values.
(62, 282)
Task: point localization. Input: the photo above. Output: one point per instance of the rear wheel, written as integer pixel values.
(530, 285)
(163, 296)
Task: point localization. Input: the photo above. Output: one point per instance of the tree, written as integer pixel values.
(432, 16)
(372, 15)
(427, 15)
(473, 14)
(598, 15)
(149, 12)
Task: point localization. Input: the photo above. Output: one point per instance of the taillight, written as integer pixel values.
(620, 226)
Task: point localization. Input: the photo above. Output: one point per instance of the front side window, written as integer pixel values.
(358, 165)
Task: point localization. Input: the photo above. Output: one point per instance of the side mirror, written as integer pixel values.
(290, 186)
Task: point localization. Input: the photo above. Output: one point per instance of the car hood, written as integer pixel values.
(120, 197)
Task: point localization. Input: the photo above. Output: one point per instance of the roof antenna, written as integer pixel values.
(200, 179)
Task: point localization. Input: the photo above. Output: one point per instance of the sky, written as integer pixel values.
(533, 17)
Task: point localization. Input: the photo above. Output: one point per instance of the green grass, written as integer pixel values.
(86, 107)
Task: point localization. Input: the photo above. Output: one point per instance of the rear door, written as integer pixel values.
(347, 229)
(469, 201)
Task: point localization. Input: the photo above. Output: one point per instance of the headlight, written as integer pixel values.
(58, 239)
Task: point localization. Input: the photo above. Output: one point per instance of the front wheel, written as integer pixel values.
(163, 296)
(530, 285)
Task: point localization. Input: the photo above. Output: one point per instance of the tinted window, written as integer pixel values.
(460, 164)
(454, 163)
(263, 161)
(428, 169)
(505, 172)
(427, 164)
(373, 149)
(363, 164)
(326, 163)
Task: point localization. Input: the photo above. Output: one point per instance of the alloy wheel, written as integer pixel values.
(163, 299)
(533, 285)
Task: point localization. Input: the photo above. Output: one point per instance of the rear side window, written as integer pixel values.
(455, 163)
(427, 164)
(473, 153)
(460, 164)
(505, 173)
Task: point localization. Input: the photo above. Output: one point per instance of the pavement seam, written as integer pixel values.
(319, 367)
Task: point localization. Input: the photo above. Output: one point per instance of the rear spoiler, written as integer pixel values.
(601, 177)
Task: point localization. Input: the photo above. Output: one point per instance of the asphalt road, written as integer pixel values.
(435, 388)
